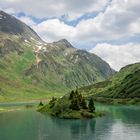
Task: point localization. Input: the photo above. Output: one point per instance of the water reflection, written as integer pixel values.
(68, 129)
(127, 114)
(121, 122)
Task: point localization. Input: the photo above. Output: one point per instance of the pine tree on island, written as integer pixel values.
(91, 106)
(84, 104)
(79, 102)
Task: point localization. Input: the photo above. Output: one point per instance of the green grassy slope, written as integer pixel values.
(14, 84)
(58, 71)
(124, 84)
(31, 68)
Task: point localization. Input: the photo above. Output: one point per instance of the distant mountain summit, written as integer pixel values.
(63, 43)
(30, 67)
(13, 26)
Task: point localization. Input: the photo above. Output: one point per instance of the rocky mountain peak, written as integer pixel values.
(56, 66)
(63, 43)
(10, 25)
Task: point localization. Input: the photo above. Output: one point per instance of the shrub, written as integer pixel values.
(52, 102)
(40, 104)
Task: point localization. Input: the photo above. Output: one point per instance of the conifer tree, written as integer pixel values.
(91, 106)
(84, 104)
(71, 95)
(40, 104)
(75, 104)
(80, 98)
(76, 92)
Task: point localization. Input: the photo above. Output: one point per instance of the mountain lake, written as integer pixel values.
(25, 123)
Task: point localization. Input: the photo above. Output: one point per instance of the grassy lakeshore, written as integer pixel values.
(2, 110)
(29, 98)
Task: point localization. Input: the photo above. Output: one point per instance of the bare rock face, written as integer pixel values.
(8, 46)
(11, 25)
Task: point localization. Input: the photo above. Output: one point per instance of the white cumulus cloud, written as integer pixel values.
(53, 8)
(28, 21)
(118, 56)
(121, 19)
(55, 29)
(117, 21)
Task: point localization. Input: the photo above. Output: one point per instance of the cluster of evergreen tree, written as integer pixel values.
(78, 102)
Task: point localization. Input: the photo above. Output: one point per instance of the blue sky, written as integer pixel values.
(109, 28)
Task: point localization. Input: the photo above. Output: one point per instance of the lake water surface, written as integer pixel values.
(120, 123)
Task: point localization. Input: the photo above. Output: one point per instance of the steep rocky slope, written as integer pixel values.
(31, 67)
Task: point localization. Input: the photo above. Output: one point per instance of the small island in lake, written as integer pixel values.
(70, 106)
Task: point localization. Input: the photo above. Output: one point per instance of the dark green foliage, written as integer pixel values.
(71, 95)
(76, 92)
(77, 101)
(80, 98)
(75, 98)
(75, 104)
(52, 102)
(84, 104)
(123, 85)
(91, 106)
(86, 114)
(72, 106)
(40, 104)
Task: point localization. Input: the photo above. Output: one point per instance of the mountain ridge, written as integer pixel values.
(16, 27)
(123, 85)
(40, 67)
